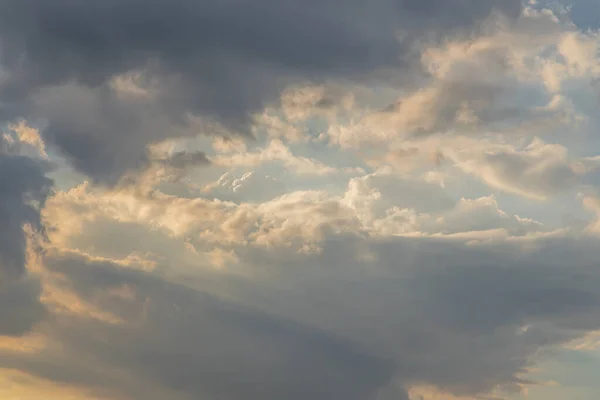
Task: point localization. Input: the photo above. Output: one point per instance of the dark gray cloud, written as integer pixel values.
(195, 344)
(217, 59)
(166, 168)
(20, 307)
(464, 319)
(23, 190)
(183, 159)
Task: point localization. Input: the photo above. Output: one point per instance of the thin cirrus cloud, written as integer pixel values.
(393, 200)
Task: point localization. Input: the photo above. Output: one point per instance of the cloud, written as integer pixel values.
(513, 82)
(21, 308)
(537, 171)
(260, 267)
(26, 138)
(23, 190)
(165, 165)
(392, 190)
(478, 84)
(439, 298)
(250, 187)
(306, 284)
(168, 66)
(231, 213)
(193, 344)
(528, 167)
(483, 214)
(276, 151)
(321, 325)
(15, 384)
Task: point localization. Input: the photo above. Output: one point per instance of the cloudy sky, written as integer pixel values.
(298, 199)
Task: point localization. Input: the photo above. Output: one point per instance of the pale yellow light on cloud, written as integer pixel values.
(28, 344)
(425, 393)
(29, 135)
(16, 385)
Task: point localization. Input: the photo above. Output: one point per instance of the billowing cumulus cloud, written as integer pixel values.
(385, 200)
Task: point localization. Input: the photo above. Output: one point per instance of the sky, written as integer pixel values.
(291, 200)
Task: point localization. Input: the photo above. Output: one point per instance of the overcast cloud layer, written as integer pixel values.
(384, 200)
